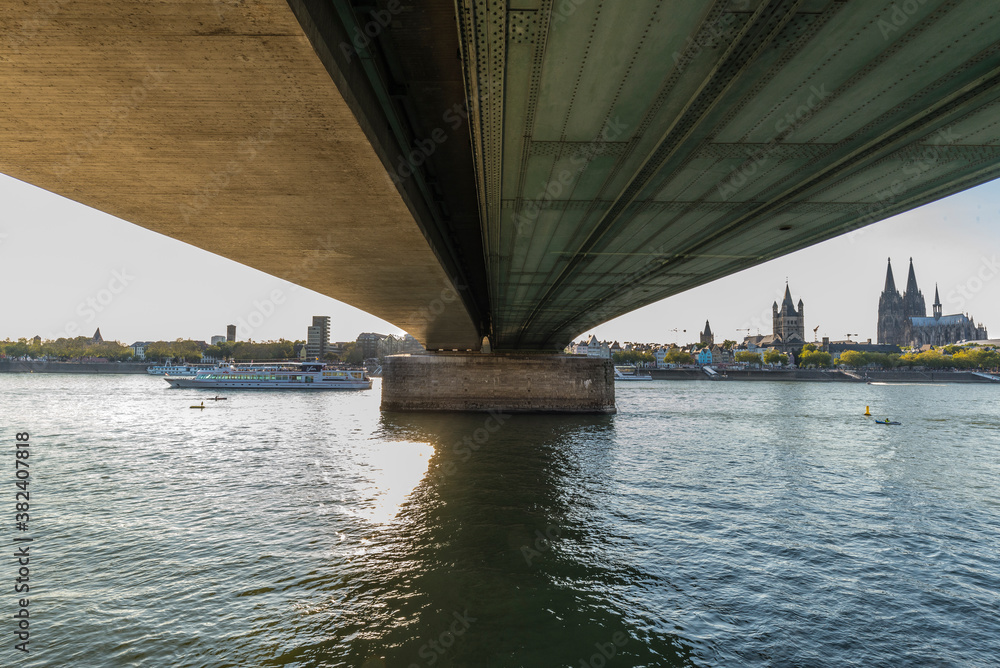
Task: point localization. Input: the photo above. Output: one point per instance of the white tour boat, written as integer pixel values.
(278, 376)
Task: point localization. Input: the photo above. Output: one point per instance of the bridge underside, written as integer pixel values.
(610, 154)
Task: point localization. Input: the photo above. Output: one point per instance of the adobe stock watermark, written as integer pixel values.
(363, 36)
(453, 117)
(605, 651)
(914, 170)
(719, 31)
(448, 295)
(898, 16)
(119, 112)
(261, 312)
(784, 126)
(963, 293)
(542, 544)
(96, 303)
(479, 437)
(248, 149)
(525, 217)
(14, 41)
(432, 650)
(563, 9)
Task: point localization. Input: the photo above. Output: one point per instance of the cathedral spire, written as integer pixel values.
(937, 303)
(911, 280)
(913, 300)
(890, 285)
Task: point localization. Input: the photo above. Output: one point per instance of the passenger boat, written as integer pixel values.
(631, 373)
(174, 370)
(278, 376)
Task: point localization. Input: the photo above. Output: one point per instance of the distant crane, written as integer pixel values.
(849, 337)
(816, 329)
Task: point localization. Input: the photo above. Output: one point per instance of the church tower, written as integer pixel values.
(937, 304)
(707, 338)
(891, 312)
(789, 322)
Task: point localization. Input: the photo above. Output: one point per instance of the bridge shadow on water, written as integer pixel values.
(499, 557)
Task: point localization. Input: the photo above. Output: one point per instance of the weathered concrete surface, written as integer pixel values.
(508, 383)
(214, 122)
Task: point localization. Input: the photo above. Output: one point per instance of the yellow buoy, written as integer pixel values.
(866, 412)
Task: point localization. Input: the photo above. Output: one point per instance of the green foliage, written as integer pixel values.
(263, 350)
(858, 359)
(772, 356)
(178, 351)
(352, 353)
(678, 356)
(67, 349)
(814, 357)
(747, 357)
(728, 344)
(977, 358)
(632, 357)
(808, 348)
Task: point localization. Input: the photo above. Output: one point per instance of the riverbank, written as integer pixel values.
(824, 376)
(39, 366)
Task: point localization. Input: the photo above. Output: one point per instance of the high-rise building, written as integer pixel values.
(230, 332)
(318, 337)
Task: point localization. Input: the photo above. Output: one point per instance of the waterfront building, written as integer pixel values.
(704, 356)
(139, 349)
(230, 332)
(217, 339)
(368, 342)
(720, 355)
(318, 337)
(596, 348)
(903, 320)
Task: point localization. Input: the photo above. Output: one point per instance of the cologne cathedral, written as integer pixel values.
(903, 321)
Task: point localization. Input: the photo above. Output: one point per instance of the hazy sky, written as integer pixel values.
(68, 270)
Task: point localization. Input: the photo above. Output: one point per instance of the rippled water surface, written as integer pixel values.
(707, 524)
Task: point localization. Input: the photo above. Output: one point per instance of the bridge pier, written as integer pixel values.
(515, 383)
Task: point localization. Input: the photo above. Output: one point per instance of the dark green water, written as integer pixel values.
(707, 524)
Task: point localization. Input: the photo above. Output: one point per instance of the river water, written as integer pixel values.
(706, 524)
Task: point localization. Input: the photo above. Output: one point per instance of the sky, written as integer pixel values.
(67, 269)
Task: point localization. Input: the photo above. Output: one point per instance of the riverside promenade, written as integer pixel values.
(826, 376)
(42, 366)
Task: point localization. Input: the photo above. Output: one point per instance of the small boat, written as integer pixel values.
(217, 398)
(886, 421)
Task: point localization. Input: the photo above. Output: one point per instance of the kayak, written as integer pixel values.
(886, 422)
